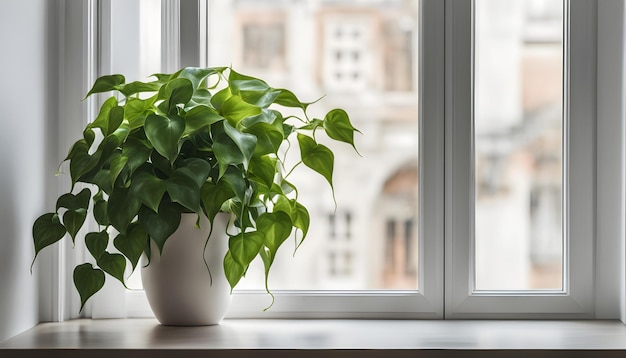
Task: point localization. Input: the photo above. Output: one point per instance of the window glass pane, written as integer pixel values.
(362, 56)
(518, 144)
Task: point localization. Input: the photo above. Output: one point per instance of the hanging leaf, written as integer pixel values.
(317, 157)
(87, 281)
(164, 134)
(96, 243)
(73, 220)
(102, 120)
(233, 270)
(338, 127)
(162, 224)
(113, 264)
(133, 243)
(276, 227)
(148, 188)
(122, 208)
(213, 196)
(47, 230)
(264, 168)
(196, 169)
(184, 190)
(100, 210)
(245, 246)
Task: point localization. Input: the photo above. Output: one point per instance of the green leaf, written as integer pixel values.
(252, 90)
(160, 226)
(73, 220)
(176, 91)
(264, 168)
(184, 190)
(276, 227)
(233, 270)
(47, 230)
(106, 84)
(196, 169)
(269, 137)
(74, 202)
(97, 243)
(116, 117)
(102, 120)
(317, 157)
(148, 189)
(199, 117)
(230, 146)
(81, 162)
(213, 196)
(220, 97)
(87, 281)
(164, 134)
(136, 152)
(245, 246)
(136, 111)
(122, 208)
(197, 74)
(338, 127)
(132, 88)
(133, 243)
(234, 109)
(244, 141)
(117, 165)
(288, 99)
(113, 264)
(100, 211)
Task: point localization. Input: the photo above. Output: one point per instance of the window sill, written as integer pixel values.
(284, 338)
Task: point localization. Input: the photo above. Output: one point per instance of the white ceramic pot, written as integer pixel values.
(177, 283)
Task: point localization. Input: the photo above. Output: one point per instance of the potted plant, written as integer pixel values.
(202, 143)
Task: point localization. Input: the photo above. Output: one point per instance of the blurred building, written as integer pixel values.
(362, 56)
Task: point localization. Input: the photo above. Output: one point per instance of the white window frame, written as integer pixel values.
(445, 171)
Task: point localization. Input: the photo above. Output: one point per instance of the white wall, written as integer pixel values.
(24, 117)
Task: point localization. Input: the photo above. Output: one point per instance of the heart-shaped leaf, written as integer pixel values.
(122, 208)
(317, 157)
(100, 210)
(164, 134)
(184, 190)
(230, 146)
(176, 91)
(213, 196)
(96, 243)
(136, 111)
(133, 243)
(160, 226)
(264, 169)
(197, 74)
(338, 126)
(87, 281)
(73, 220)
(245, 246)
(233, 270)
(113, 264)
(74, 202)
(276, 226)
(196, 169)
(148, 188)
(47, 230)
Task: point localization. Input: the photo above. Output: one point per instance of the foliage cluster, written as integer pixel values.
(201, 140)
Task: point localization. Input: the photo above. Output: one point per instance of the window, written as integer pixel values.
(423, 220)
